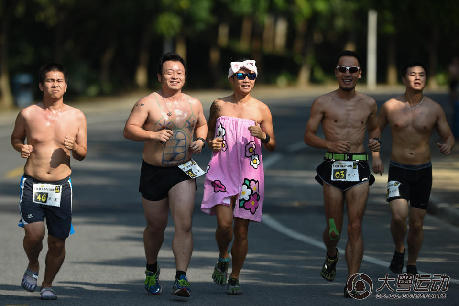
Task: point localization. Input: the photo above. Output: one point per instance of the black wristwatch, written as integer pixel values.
(267, 139)
(203, 141)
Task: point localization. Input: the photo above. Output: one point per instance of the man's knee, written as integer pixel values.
(354, 229)
(241, 232)
(225, 227)
(155, 228)
(56, 245)
(416, 225)
(34, 237)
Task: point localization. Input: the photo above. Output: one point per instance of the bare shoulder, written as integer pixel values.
(147, 100)
(392, 102)
(366, 99)
(261, 105)
(31, 111)
(433, 105)
(324, 100)
(75, 113)
(192, 100)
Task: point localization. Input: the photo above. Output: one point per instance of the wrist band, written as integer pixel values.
(267, 139)
(203, 141)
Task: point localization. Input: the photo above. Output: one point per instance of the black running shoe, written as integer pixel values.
(329, 267)
(411, 269)
(396, 265)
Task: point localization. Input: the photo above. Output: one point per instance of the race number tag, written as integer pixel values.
(345, 171)
(47, 194)
(192, 169)
(393, 189)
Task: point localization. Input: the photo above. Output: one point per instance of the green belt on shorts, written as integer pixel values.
(345, 156)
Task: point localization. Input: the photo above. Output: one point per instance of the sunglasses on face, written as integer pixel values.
(241, 76)
(350, 69)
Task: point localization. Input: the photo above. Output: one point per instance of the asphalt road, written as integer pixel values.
(105, 258)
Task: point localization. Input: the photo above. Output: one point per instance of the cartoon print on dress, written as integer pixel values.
(249, 197)
(254, 161)
(221, 133)
(218, 186)
(207, 169)
(250, 149)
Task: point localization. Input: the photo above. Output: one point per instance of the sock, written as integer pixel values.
(179, 273)
(153, 267)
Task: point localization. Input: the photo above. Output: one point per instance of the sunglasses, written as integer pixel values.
(241, 76)
(350, 69)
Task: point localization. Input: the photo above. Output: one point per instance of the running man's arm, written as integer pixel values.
(445, 133)
(315, 118)
(215, 144)
(80, 147)
(374, 143)
(267, 127)
(18, 136)
(200, 131)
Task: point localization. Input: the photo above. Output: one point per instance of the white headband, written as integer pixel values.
(236, 66)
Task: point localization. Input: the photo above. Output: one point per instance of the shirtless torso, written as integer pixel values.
(179, 116)
(344, 121)
(411, 128)
(52, 129)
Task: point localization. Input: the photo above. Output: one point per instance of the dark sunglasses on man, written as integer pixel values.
(241, 76)
(350, 69)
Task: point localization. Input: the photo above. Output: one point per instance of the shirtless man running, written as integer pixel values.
(234, 186)
(166, 122)
(53, 131)
(345, 115)
(412, 118)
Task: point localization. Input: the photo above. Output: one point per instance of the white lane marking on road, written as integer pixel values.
(279, 227)
(271, 160)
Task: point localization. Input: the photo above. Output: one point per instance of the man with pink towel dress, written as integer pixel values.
(234, 185)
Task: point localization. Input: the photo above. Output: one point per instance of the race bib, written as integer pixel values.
(345, 171)
(47, 194)
(192, 169)
(393, 189)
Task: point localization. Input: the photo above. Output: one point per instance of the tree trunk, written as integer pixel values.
(105, 64)
(300, 34)
(214, 60)
(246, 32)
(6, 98)
(268, 34)
(303, 77)
(433, 57)
(223, 34)
(180, 46)
(391, 62)
(280, 36)
(141, 74)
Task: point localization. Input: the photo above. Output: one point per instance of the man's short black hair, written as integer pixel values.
(347, 53)
(170, 56)
(412, 64)
(51, 67)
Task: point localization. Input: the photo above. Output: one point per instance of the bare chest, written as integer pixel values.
(347, 116)
(412, 119)
(45, 128)
(250, 112)
(174, 116)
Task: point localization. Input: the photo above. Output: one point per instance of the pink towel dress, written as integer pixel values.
(236, 170)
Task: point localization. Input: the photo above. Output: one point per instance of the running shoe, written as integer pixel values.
(329, 268)
(181, 288)
(396, 265)
(29, 280)
(233, 287)
(152, 284)
(411, 269)
(48, 294)
(220, 274)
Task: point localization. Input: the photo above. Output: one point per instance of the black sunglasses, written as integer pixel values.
(351, 69)
(241, 76)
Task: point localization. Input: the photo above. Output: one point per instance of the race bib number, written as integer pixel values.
(192, 169)
(345, 171)
(47, 194)
(393, 189)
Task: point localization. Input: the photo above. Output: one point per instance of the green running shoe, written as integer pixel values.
(220, 274)
(233, 287)
(152, 284)
(329, 268)
(181, 288)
